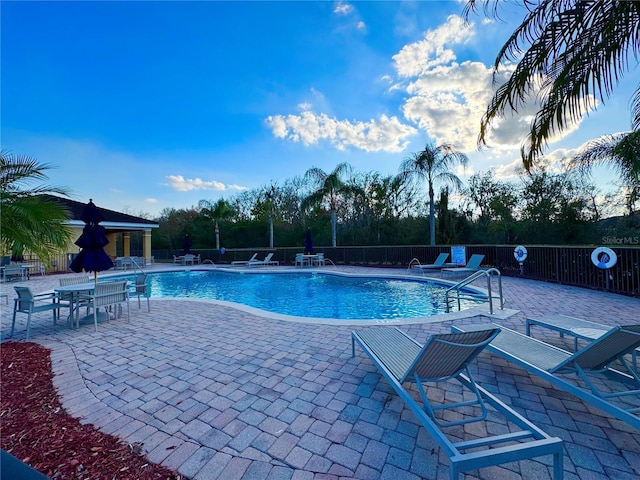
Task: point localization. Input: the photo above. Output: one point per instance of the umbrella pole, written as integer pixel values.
(95, 277)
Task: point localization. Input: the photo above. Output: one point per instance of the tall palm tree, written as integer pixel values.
(622, 152)
(329, 187)
(31, 220)
(270, 196)
(216, 212)
(433, 165)
(577, 51)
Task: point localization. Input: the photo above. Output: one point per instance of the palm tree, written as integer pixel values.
(216, 212)
(270, 196)
(31, 220)
(433, 165)
(622, 152)
(329, 188)
(577, 51)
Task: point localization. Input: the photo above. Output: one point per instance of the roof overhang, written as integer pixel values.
(116, 225)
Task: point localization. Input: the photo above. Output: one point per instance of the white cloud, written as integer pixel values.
(385, 134)
(447, 99)
(418, 57)
(151, 201)
(509, 171)
(181, 184)
(343, 8)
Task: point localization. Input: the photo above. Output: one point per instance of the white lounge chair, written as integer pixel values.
(595, 359)
(400, 359)
(260, 263)
(439, 263)
(244, 262)
(473, 265)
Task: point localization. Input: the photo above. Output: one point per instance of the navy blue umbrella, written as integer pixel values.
(186, 245)
(92, 257)
(308, 244)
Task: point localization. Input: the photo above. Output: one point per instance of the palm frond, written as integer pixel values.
(577, 52)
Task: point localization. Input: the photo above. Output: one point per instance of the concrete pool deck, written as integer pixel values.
(216, 392)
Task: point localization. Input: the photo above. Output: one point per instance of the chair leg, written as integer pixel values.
(28, 324)
(13, 322)
(148, 304)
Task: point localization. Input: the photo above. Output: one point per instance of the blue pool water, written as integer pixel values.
(313, 295)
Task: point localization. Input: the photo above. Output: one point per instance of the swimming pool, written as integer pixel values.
(310, 294)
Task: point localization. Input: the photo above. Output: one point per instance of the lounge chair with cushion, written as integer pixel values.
(473, 265)
(585, 366)
(244, 262)
(29, 303)
(400, 359)
(260, 263)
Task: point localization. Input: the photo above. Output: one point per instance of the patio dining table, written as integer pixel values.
(74, 303)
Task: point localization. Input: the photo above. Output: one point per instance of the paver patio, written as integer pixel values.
(216, 392)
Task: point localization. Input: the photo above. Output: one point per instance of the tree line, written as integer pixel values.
(425, 203)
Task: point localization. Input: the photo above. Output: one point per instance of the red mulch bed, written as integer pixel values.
(37, 430)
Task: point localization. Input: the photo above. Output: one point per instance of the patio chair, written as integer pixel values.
(141, 289)
(14, 272)
(596, 358)
(439, 263)
(245, 262)
(108, 295)
(29, 303)
(267, 261)
(318, 260)
(66, 299)
(473, 265)
(400, 359)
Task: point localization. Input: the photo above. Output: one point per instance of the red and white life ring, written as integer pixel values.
(604, 257)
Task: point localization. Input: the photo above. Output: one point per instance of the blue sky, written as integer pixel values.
(148, 105)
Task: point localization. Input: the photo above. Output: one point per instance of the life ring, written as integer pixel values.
(520, 253)
(604, 257)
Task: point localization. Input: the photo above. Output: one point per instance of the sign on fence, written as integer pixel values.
(459, 255)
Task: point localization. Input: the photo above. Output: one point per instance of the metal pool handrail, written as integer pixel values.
(474, 276)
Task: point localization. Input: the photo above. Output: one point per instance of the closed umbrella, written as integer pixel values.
(186, 245)
(92, 257)
(308, 243)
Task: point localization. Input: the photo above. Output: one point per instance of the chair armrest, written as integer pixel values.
(45, 296)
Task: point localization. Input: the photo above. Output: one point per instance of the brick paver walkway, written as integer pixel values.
(218, 393)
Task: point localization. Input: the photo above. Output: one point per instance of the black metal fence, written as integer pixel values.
(558, 264)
